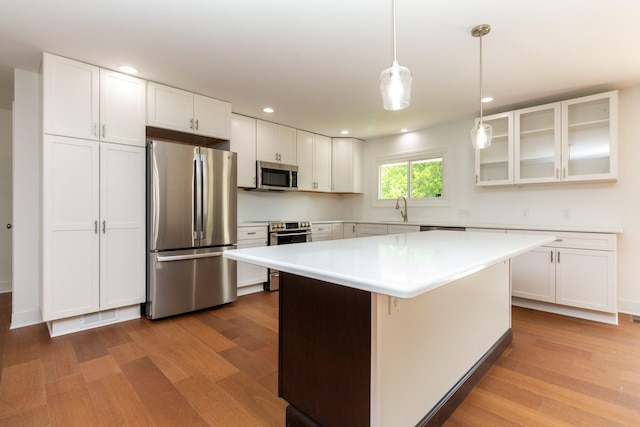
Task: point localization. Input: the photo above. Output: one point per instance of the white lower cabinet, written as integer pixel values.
(349, 230)
(251, 277)
(93, 226)
(321, 232)
(337, 231)
(365, 229)
(402, 228)
(578, 270)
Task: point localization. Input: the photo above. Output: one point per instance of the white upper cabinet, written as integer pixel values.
(122, 108)
(177, 109)
(314, 161)
(243, 142)
(84, 101)
(537, 144)
(494, 165)
(347, 159)
(573, 140)
(275, 143)
(70, 97)
(590, 138)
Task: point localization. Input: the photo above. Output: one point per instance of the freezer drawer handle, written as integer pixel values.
(187, 257)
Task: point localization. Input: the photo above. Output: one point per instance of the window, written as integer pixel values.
(419, 178)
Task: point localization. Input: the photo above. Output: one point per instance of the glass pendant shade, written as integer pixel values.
(395, 86)
(481, 135)
(481, 132)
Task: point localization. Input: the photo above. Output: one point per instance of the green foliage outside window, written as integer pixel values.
(425, 179)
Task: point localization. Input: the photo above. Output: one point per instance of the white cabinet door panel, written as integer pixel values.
(169, 108)
(71, 91)
(70, 240)
(122, 239)
(243, 142)
(586, 279)
(122, 108)
(322, 162)
(212, 117)
(533, 275)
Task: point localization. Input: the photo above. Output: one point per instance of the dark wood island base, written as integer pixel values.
(325, 357)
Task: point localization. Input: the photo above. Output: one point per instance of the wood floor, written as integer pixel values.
(219, 367)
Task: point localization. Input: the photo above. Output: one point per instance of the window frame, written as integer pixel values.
(444, 200)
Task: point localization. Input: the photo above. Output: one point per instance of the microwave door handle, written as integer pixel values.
(205, 197)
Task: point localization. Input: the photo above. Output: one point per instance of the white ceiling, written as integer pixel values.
(317, 62)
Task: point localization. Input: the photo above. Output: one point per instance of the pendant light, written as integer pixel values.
(395, 81)
(481, 132)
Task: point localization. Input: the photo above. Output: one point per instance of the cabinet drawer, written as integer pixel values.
(564, 239)
(321, 228)
(399, 229)
(252, 232)
(372, 229)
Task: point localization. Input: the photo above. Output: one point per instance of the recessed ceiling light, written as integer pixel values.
(344, 132)
(403, 130)
(268, 110)
(128, 69)
(487, 99)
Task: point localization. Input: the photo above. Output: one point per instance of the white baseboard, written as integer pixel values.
(93, 320)
(25, 318)
(6, 286)
(252, 289)
(629, 307)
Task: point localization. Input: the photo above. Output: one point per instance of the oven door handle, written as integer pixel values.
(292, 234)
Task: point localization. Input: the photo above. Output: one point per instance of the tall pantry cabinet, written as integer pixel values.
(93, 165)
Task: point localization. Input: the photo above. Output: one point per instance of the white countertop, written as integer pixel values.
(469, 224)
(400, 265)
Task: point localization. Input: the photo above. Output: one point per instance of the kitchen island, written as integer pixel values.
(389, 330)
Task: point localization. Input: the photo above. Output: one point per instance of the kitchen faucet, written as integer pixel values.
(405, 215)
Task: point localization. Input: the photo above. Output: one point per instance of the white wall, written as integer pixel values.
(296, 206)
(596, 204)
(26, 200)
(5, 200)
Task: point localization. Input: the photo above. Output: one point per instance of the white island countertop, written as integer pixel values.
(399, 265)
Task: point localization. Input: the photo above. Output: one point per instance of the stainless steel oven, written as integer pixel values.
(285, 233)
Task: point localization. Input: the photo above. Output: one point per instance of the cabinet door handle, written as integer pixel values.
(476, 178)
(196, 124)
(95, 129)
(276, 157)
(191, 123)
(104, 227)
(558, 257)
(551, 253)
(95, 227)
(104, 131)
(252, 232)
(557, 173)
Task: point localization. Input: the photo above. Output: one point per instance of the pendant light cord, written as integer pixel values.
(393, 14)
(481, 121)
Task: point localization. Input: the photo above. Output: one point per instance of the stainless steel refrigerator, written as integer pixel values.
(192, 220)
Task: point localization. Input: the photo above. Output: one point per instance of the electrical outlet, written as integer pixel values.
(394, 305)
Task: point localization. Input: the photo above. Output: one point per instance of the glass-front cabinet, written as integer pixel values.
(494, 164)
(589, 138)
(573, 140)
(537, 144)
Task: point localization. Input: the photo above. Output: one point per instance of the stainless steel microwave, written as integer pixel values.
(276, 176)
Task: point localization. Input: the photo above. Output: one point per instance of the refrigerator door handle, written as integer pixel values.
(197, 197)
(187, 257)
(205, 198)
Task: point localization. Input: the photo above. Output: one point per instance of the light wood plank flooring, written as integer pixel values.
(218, 367)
